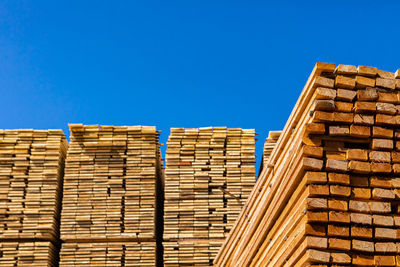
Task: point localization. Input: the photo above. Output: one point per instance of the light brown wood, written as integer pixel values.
(28, 254)
(111, 182)
(108, 254)
(367, 71)
(357, 169)
(31, 170)
(209, 175)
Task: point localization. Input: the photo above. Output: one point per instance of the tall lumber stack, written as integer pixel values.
(112, 188)
(330, 195)
(269, 145)
(31, 170)
(209, 175)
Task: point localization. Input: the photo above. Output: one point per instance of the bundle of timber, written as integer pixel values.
(28, 254)
(108, 254)
(330, 195)
(112, 188)
(269, 145)
(191, 253)
(209, 174)
(31, 169)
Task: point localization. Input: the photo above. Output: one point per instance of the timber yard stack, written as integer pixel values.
(330, 195)
(109, 254)
(31, 169)
(269, 145)
(112, 188)
(209, 174)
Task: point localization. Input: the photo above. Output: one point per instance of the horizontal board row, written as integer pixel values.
(28, 254)
(108, 254)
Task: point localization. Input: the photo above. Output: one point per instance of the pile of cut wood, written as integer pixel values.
(209, 175)
(112, 190)
(330, 194)
(108, 254)
(31, 169)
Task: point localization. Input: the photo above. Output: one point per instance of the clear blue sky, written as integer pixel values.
(179, 63)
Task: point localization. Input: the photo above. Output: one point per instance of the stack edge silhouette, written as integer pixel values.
(330, 194)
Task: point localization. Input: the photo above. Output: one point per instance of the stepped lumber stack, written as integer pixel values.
(31, 170)
(209, 175)
(269, 145)
(112, 189)
(330, 195)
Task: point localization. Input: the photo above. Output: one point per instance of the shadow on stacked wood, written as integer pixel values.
(112, 188)
(31, 170)
(209, 174)
(330, 195)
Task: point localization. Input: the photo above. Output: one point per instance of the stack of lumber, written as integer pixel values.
(191, 253)
(209, 174)
(112, 189)
(108, 254)
(330, 195)
(38, 253)
(31, 169)
(269, 145)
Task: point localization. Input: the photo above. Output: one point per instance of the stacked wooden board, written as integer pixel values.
(112, 189)
(330, 196)
(191, 252)
(31, 170)
(209, 175)
(108, 254)
(40, 253)
(269, 145)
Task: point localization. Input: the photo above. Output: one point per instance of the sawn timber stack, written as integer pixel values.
(31, 170)
(330, 195)
(269, 145)
(112, 195)
(209, 175)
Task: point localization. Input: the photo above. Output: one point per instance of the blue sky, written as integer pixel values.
(179, 63)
